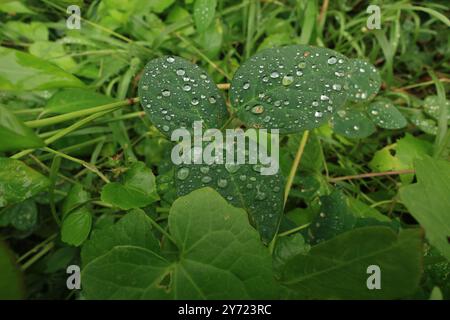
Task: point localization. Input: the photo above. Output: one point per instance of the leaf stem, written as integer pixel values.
(298, 157)
(161, 229)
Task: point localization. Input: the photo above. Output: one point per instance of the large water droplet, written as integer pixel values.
(246, 86)
(332, 60)
(222, 183)
(206, 179)
(287, 80)
(166, 93)
(181, 72)
(183, 173)
(258, 109)
(187, 87)
(274, 74)
(170, 59)
(194, 101)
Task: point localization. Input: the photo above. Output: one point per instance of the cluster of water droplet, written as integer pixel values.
(290, 88)
(175, 93)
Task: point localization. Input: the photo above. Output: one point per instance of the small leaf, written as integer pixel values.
(14, 134)
(137, 190)
(76, 227)
(76, 197)
(337, 269)
(11, 280)
(352, 124)
(386, 116)
(220, 257)
(365, 81)
(428, 201)
(75, 99)
(288, 247)
(291, 88)
(334, 218)
(25, 72)
(19, 182)
(175, 93)
(432, 107)
(204, 11)
(22, 216)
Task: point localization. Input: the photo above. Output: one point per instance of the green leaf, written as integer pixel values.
(53, 52)
(25, 72)
(291, 88)
(220, 257)
(204, 11)
(352, 124)
(19, 182)
(134, 229)
(432, 106)
(137, 190)
(75, 99)
(22, 216)
(11, 280)
(333, 219)
(76, 227)
(14, 7)
(14, 134)
(34, 31)
(175, 93)
(386, 116)
(243, 186)
(365, 81)
(288, 247)
(426, 125)
(76, 197)
(336, 269)
(429, 203)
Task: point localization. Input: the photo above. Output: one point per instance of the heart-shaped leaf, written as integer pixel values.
(25, 72)
(365, 81)
(220, 257)
(137, 190)
(291, 88)
(14, 134)
(242, 185)
(175, 93)
(19, 182)
(386, 116)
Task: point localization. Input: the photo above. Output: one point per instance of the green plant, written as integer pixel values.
(86, 177)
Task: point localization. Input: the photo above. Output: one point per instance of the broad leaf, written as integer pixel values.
(175, 93)
(134, 229)
(365, 81)
(429, 203)
(220, 257)
(19, 182)
(337, 269)
(352, 124)
(74, 99)
(76, 197)
(291, 88)
(76, 227)
(11, 281)
(432, 107)
(14, 134)
(204, 11)
(137, 190)
(386, 116)
(25, 72)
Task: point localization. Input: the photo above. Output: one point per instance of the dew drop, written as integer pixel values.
(166, 93)
(258, 109)
(332, 60)
(287, 80)
(170, 59)
(183, 173)
(246, 86)
(206, 179)
(180, 72)
(274, 75)
(212, 99)
(194, 101)
(222, 183)
(187, 87)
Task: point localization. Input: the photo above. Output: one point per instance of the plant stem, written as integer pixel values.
(298, 157)
(294, 230)
(160, 229)
(39, 255)
(79, 113)
(372, 174)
